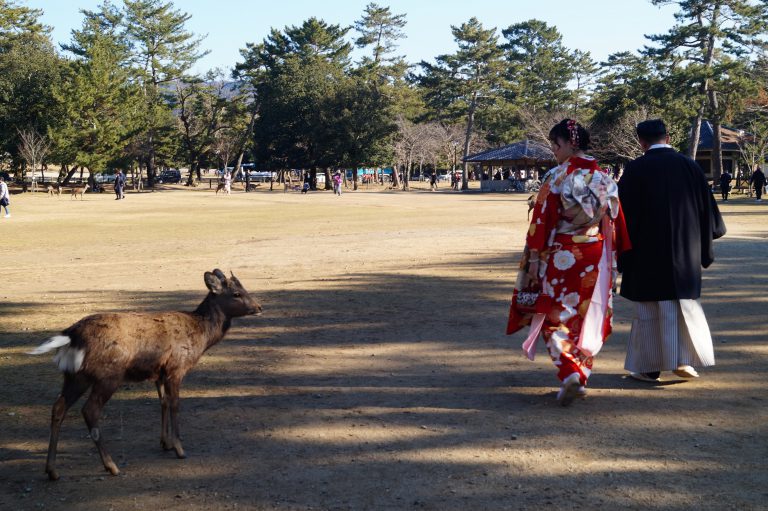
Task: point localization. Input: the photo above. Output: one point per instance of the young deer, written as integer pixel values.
(54, 190)
(78, 191)
(104, 350)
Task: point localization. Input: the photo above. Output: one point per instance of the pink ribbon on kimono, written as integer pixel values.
(529, 346)
(591, 336)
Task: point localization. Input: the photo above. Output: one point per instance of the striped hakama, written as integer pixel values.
(668, 334)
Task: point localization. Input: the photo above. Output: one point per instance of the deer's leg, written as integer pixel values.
(172, 389)
(100, 394)
(74, 387)
(164, 423)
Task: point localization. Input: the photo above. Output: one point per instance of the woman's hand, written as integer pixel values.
(533, 270)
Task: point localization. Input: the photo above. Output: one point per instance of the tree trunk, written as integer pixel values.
(63, 172)
(467, 140)
(717, 141)
(709, 52)
(313, 179)
(327, 173)
(354, 177)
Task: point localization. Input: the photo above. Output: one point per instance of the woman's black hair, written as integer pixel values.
(571, 131)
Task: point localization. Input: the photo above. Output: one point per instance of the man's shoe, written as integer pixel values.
(650, 377)
(569, 390)
(686, 372)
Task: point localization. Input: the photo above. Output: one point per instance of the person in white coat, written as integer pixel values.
(5, 197)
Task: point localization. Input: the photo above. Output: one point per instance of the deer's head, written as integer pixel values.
(230, 295)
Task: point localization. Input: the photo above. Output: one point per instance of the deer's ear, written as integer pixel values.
(213, 283)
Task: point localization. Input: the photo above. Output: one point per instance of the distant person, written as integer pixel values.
(564, 288)
(758, 182)
(5, 197)
(433, 181)
(227, 182)
(119, 185)
(725, 184)
(672, 219)
(337, 183)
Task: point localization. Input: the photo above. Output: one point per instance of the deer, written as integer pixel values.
(54, 190)
(102, 351)
(80, 190)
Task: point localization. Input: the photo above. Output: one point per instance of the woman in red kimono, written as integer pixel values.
(564, 289)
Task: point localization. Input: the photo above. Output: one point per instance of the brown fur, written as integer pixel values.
(78, 191)
(54, 190)
(133, 346)
(219, 187)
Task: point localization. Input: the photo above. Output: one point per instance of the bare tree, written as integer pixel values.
(538, 122)
(33, 147)
(753, 144)
(618, 141)
(410, 141)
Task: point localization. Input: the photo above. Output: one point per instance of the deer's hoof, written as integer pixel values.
(112, 468)
(180, 453)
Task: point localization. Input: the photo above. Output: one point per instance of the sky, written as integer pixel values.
(601, 27)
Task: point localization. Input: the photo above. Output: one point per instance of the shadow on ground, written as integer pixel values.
(417, 374)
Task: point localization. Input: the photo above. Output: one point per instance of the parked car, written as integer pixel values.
(169, 176)
(262, 176)
(104, 178)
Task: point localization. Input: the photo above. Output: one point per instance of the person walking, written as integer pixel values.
(564, 287)
(227, 182)
(725, 184)
(5, 197)
(119, 185)
(672, 219)
(757, 180)
(337, 183)
(433, 181)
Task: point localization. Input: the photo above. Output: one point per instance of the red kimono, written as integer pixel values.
(577, 227)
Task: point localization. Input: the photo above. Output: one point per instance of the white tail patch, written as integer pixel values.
(67, 358)
(57, 341)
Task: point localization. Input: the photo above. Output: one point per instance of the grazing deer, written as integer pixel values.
(54, 190)
(102, 351)
(80, 190)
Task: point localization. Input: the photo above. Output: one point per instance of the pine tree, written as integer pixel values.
(163, 52)
(467, 81)
(704, 29)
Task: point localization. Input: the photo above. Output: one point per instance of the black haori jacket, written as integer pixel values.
(672, 219)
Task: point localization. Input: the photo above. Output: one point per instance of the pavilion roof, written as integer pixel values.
(525, 151)
(729, 137)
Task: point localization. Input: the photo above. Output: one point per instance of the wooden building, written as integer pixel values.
(495, 167)
(730, 147)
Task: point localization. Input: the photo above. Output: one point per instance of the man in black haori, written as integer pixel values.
(672, 219)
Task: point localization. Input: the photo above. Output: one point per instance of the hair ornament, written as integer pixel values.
(573, 130)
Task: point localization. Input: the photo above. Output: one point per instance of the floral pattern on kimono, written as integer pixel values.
(575, 209)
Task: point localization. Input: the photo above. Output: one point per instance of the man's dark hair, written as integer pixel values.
(651, 130)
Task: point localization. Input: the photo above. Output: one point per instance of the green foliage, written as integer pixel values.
(95, 95)
(315, 110)
(539, 66)
(29, 67)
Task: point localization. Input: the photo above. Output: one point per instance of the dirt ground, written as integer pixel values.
(379, 376)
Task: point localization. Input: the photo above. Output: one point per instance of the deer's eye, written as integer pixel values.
(236, 295)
